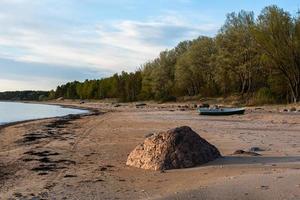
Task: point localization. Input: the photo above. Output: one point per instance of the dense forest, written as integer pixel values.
(24, 95)
(254, 58)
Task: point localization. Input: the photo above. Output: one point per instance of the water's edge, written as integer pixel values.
(90, 111)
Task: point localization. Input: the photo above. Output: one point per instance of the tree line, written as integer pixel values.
(255, 58)
(24, 95)
(126, 87)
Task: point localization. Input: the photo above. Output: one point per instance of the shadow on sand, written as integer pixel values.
(247, 160)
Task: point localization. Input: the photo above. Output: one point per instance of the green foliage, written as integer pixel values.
(237, 59)
(24, 95)
(194, 71)
(264, 96)
(126, 87)
(277, 35)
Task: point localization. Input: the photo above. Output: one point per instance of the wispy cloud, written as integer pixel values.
(44, 32)
(42, 76)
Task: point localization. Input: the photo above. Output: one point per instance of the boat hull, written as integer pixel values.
(224, 111)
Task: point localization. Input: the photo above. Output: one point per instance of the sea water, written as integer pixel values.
(15, 111)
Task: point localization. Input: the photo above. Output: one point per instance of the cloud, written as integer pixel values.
(19, 85)
(115, 45)
(124, 43)
(47, 34)
(32, 74)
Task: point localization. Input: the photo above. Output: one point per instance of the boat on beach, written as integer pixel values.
(221, 111)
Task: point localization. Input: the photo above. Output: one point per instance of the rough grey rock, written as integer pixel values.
(176, 148)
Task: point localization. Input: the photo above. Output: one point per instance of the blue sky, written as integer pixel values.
(44, 43)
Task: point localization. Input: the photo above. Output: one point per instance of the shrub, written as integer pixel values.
(264, 96)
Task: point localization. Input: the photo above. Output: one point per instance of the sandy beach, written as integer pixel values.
(84, 157)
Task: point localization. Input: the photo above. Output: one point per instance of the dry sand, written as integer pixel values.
(85, 158)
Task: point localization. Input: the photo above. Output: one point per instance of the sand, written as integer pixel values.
(85, 158)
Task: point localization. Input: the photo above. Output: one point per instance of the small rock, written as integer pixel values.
(252, 149)
(103, 169)
(70, 176)
(18, 194)
(140, 104)
(258, 108)
(204, 105)
(99, 180)
(264, 187)
(242, 152)
(293, 109)
(239, 151)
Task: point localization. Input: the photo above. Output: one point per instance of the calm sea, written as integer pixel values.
(13, 112)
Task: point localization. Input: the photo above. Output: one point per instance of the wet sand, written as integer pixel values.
(84, 158)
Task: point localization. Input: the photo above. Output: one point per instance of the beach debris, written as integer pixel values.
(32, 196)
(42, 153)
(49, 131)
(106, 168)
(258, 108)
(176, 148)
(183, 106)
(103, 168)
(60, 99)
(204, 105)
(18, 194)
(253, 149)
(140, 104)
(46, 162)
(264, 187)
(70, 176)
(117, 105)
(248, 153)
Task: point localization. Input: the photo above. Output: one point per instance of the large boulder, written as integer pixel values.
(176, 148)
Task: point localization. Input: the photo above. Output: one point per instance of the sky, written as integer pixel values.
(45, 43)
